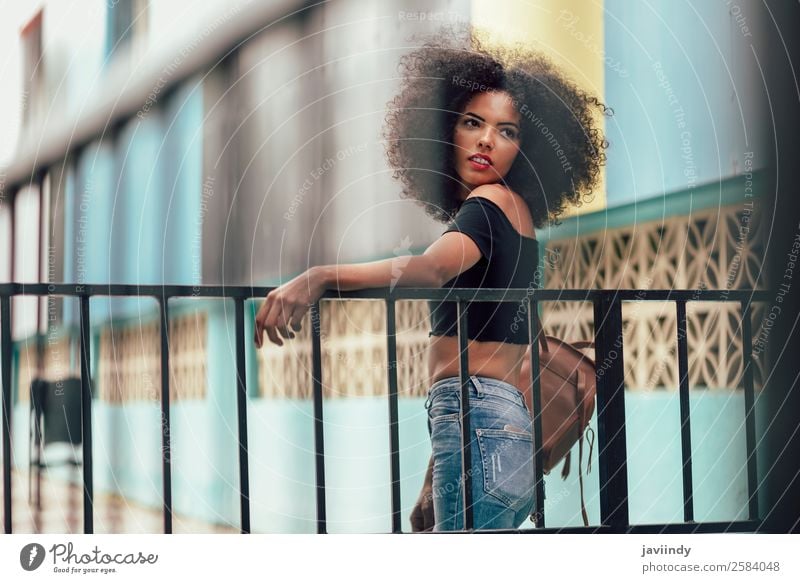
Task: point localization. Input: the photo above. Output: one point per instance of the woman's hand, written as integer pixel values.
(422, 515)
(286, 305)
(422, 518)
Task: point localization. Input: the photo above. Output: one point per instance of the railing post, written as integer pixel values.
(536, 401)
(86, 415)
(166, 444)
(5, 352)
(612, 453)
(749, 410)
(686, 430)
(466, 434)
(241, 407)
(5, 314)
(394, 436)
(319, 429)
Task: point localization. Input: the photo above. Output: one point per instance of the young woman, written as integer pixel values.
(496, 142)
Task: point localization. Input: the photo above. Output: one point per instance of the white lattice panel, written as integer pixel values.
(718, 248)
(130, 360)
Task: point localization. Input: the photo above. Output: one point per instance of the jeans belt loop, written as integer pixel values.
(477, 384)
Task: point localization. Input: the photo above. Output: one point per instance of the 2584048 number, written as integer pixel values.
(756, 566)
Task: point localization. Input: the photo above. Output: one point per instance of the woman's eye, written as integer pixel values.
(511, 134)
(473, 123)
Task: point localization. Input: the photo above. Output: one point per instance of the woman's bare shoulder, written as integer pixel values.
(511, 203)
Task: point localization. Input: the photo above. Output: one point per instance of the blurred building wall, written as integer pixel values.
(275, 151)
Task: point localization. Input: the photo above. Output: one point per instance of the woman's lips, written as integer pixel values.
(477, 165)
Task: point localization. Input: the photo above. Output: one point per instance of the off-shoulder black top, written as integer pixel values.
(508, 260)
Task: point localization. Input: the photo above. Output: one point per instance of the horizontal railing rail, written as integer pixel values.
(612, 455)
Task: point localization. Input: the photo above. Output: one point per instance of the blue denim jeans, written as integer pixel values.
(501, 450)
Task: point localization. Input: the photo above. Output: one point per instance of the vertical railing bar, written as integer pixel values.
(686, 432)
(241, 408)
(394, 430)
(5, 348)
(319, 438)
(5, 313)
(536, 399)
(40, 338)
(602, 451)
(749, 405)
(466, 450)
(611, 413)
(166, 444)
(86, 415)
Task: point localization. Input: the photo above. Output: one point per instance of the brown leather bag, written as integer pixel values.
(568, 389)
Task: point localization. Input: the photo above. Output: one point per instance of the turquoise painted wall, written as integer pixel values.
(685, 87)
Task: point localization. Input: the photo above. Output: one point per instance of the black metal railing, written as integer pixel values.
(612, 455)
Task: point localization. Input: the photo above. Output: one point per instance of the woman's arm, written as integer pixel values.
(451, 254)
(285, 306)
(404, 271)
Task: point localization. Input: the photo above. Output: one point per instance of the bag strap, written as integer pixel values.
(565, 467)
(580, 479)
(542, 337)
(582, 393)
(583, 344)
(565, 470)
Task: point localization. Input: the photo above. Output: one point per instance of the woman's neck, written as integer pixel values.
(463, 191)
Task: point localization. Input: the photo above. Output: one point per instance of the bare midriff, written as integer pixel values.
(497, 360)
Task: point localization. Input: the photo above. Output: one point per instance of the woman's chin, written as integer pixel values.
(483, 181)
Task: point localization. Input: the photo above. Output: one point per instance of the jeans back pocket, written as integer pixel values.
(507, 464)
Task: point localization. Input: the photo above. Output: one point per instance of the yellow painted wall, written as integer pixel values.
(570, 32)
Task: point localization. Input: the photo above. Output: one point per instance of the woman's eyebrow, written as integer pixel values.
(506, 123)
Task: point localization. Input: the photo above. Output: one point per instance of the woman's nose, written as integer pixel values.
(486, 140)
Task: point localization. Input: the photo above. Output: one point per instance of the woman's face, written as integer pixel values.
(486, 139)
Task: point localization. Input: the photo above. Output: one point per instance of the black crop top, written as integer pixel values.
(508, 260)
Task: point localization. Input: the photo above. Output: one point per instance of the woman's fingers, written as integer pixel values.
(270, 315)
(297, 322)
(264, 324)
(285, 332)
(280, 317)
(259, 324)
(280, 313)
(292, 320)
